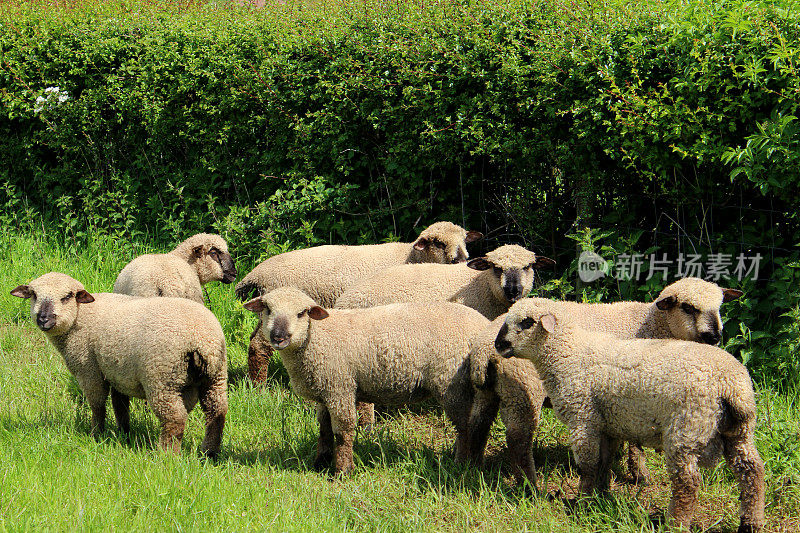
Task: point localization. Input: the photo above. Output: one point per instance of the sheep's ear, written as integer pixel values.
(667, 303)
(317, 313)
(730, 294)
(548, 322)
(542, 261)
(198, 251)
(473, 236)
(83, 297)
(479, 263)
(421, 243)
(255, 305)
(23, 291)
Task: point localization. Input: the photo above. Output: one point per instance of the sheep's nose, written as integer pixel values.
(501, 344)
(512, 293)
(45, 321)
(710, 337)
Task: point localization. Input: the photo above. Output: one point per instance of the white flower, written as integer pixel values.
(53, 97)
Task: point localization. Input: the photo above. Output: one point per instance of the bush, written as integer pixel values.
(625, 127)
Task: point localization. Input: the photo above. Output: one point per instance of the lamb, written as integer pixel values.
(694, 401)
(181, 273)
(687, 309)
(169, 351)
(393, 354)
(324, 272)
(488, 284)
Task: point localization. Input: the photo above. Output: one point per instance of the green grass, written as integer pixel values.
(54, 476)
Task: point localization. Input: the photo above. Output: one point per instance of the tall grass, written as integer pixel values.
(54, 476)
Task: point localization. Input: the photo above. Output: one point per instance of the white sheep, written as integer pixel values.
(488, 284)
(169, 351)
(181, 273)
(687, 309)
(324, 272)
(694, 401)
(393, 355)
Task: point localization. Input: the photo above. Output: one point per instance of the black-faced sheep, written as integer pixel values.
(694, 401)
(169, 351)
(393, 355)
(181, 273)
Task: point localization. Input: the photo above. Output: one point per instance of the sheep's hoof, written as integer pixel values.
(323, 460)
(211, 455)
(747, 528)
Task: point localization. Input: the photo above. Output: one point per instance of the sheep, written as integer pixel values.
(687, 309)
(169, 351)
(692, 400)
(488, 284)
(181, 273)
(324, 272)
(393, 354)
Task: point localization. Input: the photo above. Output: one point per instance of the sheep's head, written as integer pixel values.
(513, 270)
(691, 306)
(55, 298)
(286, 314)
(443, 242)
(525, 327)
(209, 255)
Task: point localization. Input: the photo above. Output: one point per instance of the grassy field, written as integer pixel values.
(54, 476)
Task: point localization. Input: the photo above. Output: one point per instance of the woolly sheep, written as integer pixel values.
(393, 354)
(687, 309)
(488, 284)
(324, 272)
(694, 401)
(181, 273)
(169, 351)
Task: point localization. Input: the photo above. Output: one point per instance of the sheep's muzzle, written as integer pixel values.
(501, 344)
(46, 318)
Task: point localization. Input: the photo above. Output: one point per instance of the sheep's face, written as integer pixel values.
(524, 330)
(513, 271)
(691, 306)
(55, 298)
(286, 314)
(213, 261)
(443, 242)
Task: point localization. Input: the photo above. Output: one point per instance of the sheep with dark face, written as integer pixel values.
(325, 272)
(169, 351)
(181, 273)
(687, 309)
(692, 400)
(392, 354)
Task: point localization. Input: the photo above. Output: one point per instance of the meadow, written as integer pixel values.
(54, 476)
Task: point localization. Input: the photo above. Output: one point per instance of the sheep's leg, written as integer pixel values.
(325, 442)
(171, 412)
(481, 418)
(748, 467)
(122, 410)
(366, 415)
(586, 448)
(259, 354)
(343, 423)
(458, 406)
(520, 409)
(608, 450)
(95, 388)
(214, 403)
(637, 467)
(685, 486)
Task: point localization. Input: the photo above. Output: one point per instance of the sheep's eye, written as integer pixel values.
(439, 244)
(526, 324)
(66, 298)
(302, 313)
(213, 252)
(690, 309)
(497, 271)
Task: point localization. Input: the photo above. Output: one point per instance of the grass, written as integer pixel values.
(54, 476)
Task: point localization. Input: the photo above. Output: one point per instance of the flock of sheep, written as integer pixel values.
(398, 322)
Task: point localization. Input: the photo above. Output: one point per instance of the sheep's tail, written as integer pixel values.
(738, 410)
(247, 289)
(206, 363)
